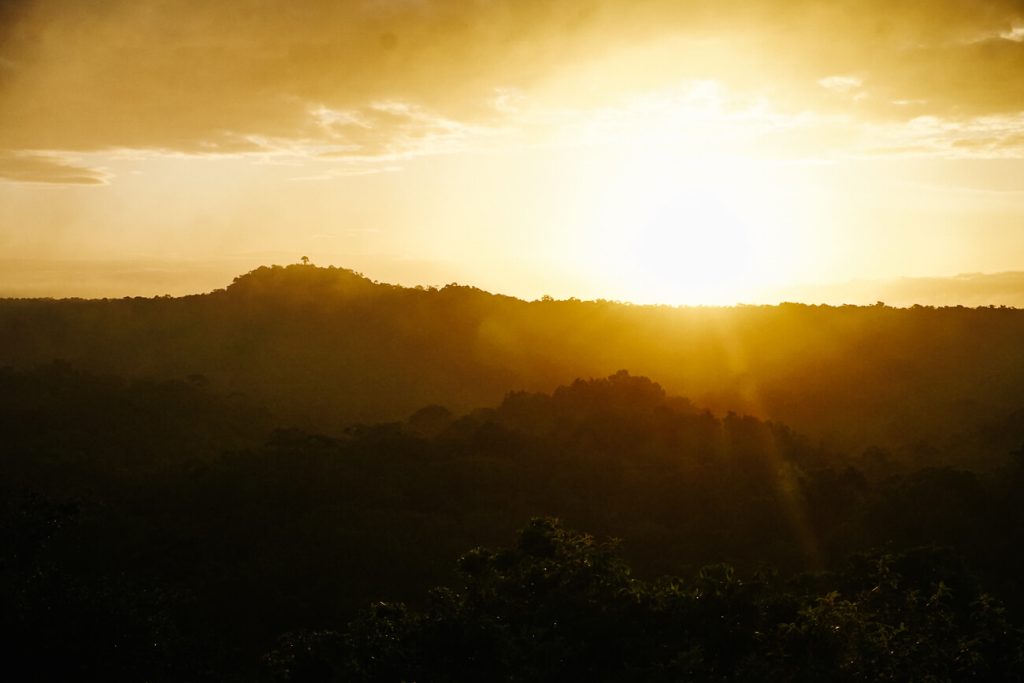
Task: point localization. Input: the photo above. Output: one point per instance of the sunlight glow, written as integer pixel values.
(673, 230)
(655, 152)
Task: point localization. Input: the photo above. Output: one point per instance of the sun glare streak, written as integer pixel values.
(737, 360)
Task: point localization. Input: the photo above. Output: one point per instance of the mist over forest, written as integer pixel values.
(312, 476)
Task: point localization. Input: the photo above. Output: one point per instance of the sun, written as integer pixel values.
(671, 229)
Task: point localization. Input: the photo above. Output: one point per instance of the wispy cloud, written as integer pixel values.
(48, 168)
(1015, 34)
(842, 84)
(992, 137)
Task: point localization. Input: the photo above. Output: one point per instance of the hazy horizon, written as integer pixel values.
(87, 279)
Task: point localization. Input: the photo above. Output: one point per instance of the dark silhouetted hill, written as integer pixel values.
(325, 347)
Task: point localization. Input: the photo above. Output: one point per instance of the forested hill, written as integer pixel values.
(325, 347)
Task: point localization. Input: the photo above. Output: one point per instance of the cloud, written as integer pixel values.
(391, 129)
(990, 136)
(37, 168)
(1015, 34)
(841, 84)
(202, 77)
(385, 78)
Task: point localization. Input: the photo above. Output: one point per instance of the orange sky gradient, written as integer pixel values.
(652, 151)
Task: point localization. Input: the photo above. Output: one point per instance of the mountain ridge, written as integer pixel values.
(326, 347)
(965, 289)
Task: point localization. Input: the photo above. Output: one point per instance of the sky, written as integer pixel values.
(701, 151)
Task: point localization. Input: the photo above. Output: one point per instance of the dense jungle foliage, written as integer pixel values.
(221, 488)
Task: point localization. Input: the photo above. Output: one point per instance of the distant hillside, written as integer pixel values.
(324, 347)
(969, 289)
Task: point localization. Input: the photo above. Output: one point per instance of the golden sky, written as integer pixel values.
(702, 151)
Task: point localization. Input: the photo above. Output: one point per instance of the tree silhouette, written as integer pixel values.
(560, 605)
